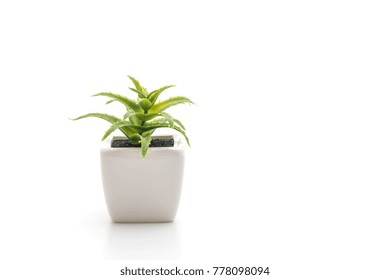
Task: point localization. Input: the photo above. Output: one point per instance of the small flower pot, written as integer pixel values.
(141, 190)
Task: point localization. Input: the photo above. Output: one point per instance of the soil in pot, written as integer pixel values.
(159, 141)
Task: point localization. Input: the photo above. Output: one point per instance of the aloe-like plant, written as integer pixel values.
(143, 115)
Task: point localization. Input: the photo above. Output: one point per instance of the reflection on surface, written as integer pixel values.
(142, 241)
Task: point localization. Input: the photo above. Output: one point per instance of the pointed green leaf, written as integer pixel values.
(147, 117)
(183, 133)
(153, 96)
(156, 122)
(145, 91)
(128, 115)
(148, 133)
(124, 124)
(144, 129)
(163, 105)
(129, 103)
(109, 131)
(169, 118)
(179, 123)
(140, 94)
(138, 86)
(111, 119)
(135, 120)
(159, 123)
(145, 142)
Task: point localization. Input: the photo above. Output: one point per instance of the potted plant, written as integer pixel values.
(142, 173)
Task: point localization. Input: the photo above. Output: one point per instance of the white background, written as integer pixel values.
(289, 165)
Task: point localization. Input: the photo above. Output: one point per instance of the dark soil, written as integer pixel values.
(163, 141)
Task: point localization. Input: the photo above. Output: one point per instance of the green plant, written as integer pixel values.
(143, 115)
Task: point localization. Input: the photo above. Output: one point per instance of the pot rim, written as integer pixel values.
(178, 143)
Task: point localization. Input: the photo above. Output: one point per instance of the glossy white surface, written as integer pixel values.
(142, 190)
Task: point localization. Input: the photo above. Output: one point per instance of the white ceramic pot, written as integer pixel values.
(142, 190)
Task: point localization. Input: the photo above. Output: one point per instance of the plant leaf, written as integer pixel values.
(129, 103)
(183, 133)
(124, 124)
(163, 105)
(156, 125)
(148, 133)
(145, 91)
(156, 122)
(111, 119)
(135, 120)
(109, 131)
(145, 142)
(169, 118)
(179, 123)
(128, 115)
(140, 94)
(147, 117)
(142, 129)
(137, 86)
(153, 96)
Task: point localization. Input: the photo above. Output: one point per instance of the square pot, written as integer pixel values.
(142, 190)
